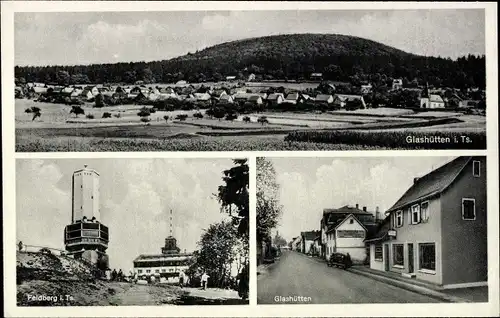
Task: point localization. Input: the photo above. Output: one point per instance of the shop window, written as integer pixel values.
(427, 256)
(398, 255)
(378, 252)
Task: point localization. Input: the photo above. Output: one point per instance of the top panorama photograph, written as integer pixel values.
(250, 80)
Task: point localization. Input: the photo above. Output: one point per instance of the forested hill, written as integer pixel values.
(293, 57)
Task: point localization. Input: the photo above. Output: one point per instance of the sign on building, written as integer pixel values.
(350, 234)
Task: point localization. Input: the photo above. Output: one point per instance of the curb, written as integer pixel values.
(414, 288)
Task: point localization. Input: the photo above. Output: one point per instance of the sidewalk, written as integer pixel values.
(476, 294)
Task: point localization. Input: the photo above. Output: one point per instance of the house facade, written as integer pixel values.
(347, 237)
(436, 231)
(341, 100)
(307, 241)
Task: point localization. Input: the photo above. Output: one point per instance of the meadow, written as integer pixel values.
(383, 128)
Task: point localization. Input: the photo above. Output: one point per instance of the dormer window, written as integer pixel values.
(415, 214)
(476, 168)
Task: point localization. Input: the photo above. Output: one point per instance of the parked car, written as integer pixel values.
(340, 260)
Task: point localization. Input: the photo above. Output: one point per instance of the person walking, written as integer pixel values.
(204, 280)
(20, 246)
(181, 279)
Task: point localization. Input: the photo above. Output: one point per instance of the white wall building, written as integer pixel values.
(347, 237)
(85, 195)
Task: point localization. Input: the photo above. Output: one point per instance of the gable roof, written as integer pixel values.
(274, 96)
(346, 209)
(380, 233)
(323, 97)
(254, 98)
(345, 97)
(309, 235)
(432, 183)
(354, 217)
(292, 96)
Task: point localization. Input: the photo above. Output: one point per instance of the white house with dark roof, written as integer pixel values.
(437, 230)
(276, 98)
(341, 100)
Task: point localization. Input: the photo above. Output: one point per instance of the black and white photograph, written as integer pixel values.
(132, 232)
(224, 80)
(372, 230)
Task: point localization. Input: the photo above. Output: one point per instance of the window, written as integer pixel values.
(427, 256)
(139, 271)
(399, 218)
(157, 271)
(378, 252)
(415, 214)
(351, 221)
(148, 271)
(163, 270)
(424, 211)
(476, 168)
(398, 255)
(468, 209)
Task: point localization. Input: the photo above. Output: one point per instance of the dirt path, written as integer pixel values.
(144, 295)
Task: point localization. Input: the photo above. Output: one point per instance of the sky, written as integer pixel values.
(69, 38)
(309, 185)
(135, 200)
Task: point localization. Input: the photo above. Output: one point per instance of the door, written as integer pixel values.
(386, 257)
(410, 258)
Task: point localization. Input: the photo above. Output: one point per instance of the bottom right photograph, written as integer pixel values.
(334, 230)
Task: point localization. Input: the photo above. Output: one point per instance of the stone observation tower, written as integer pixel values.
(86, 237)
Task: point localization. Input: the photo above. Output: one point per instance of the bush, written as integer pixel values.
(181, 117)
(152, 110)
(77, 110)
(106, 115)
(118, 115)
(198, 115)
(166, 117)
(28, 110)
(263, 120)
(90, 116)
(144, 112)
(231, 116)
(145, 119)
(247, 119)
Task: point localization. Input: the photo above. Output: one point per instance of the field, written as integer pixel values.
(58, 130)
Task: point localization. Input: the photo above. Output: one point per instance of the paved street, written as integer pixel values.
(296, 274)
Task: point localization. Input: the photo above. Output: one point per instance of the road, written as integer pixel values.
(298, 275)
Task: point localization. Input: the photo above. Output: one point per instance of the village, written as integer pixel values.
(404, 254)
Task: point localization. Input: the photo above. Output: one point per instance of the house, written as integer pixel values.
(324, 99)
(366, 89)
(251, 77)
(316, 76)
(296, 242)
(397, 83)
(341, 100)
(292, 98)
(39, 90)
(241, 97)
(307, 240)
(468, 103)
(255, 99)
(230, 78)
(316, 250)
(275, 98)
(331, 222)
(226, 99)
(218, 93)
(436, 231)
(431, 101)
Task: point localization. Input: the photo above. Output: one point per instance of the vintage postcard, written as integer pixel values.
(250, 159)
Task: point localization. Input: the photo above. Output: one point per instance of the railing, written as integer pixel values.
(37, 249)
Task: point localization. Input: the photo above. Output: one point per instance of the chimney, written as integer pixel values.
(377, 214)
(357, 206)
(364, 209)
(415, 180)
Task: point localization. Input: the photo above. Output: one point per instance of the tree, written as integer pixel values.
(198, 115)
(218, 245)
(268, 207)
(233, 195)
(99, 101)
(63, 77)
(36, 112)
(181, 117)
(77, 110)
(247, 119)
(166, 118)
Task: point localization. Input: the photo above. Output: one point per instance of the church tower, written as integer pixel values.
(170, 242)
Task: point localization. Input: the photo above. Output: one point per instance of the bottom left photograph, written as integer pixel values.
(111, 232)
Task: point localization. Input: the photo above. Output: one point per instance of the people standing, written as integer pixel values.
(204, 280)
(20, 246)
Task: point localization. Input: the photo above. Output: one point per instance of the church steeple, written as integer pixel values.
(425, 93)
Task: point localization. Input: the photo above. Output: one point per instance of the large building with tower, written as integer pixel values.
(165, 266)
(86, 237)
